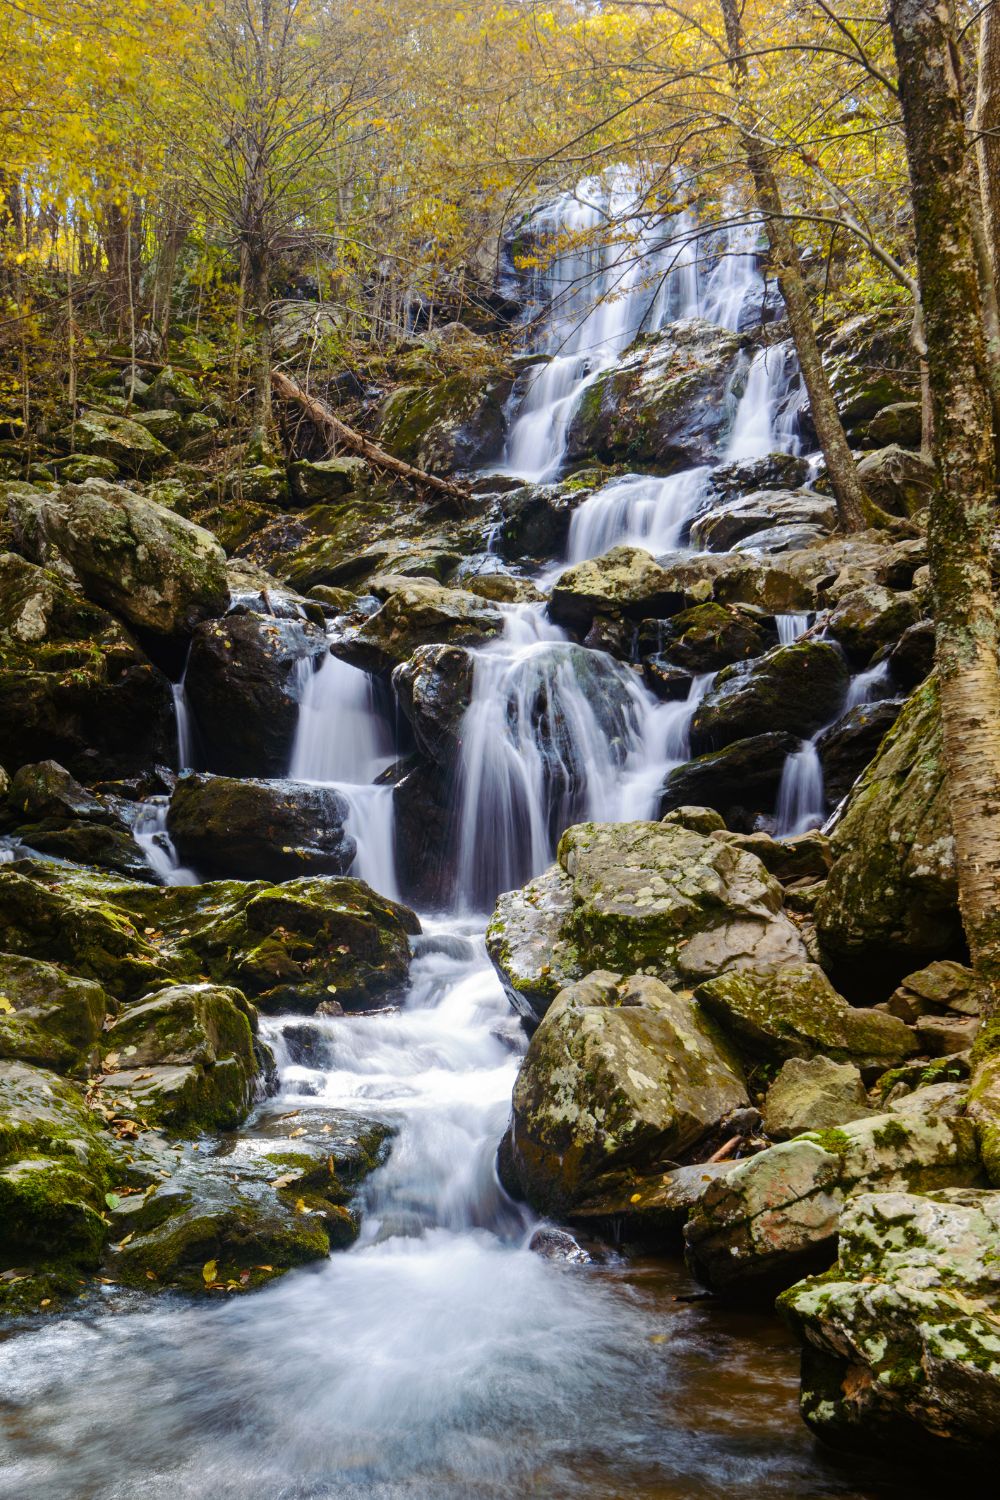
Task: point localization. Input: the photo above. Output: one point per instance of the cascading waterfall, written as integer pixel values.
(640, 510)
(150, 833)
(342, 741)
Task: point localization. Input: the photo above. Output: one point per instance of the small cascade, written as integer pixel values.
(801, 803)
(637, 510)
(766, 415)
(184, 726)
(343, 741)
(734, 280)
(790, 627)
(554, 734)
(150, 833)
(871, 686)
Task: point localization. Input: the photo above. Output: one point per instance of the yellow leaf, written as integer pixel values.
(209, 1272)
(5, 1005)
(289, 1177)
(300, 1205)
(300, 1131)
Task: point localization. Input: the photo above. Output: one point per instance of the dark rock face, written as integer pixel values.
(244, 685)
(709, 637)
(775, 471)
(51, 812)
(536, 519)
(740, 781)
(912, 657)
(259, 830)
(794, 690)
(74, 686)
(456, 423)
(433, 689)
(849, 744)
(666, 402)
(424, 799)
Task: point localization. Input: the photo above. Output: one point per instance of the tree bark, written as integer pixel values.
(338, 432)
(987, 122)
(854, 508)
(962, 511)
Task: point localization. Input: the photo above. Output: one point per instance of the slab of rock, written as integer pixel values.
(710, 636)
(813, 1094)
(792, 1010)
(851, 743)
(259, 830)
(942, 985)
(776, 1216)
(123, 442)
(775, 471)
(655, 1208)
(433, 689)
(628, 580)
(51, 812)
(49, 1017)
(418, 612)
(652, 896)
(719, 529)
(622, 1073)
(793, 689)
(943, 1035)
(901, 1339)
(870, 618)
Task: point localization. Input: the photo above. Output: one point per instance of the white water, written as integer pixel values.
(150, 833)
(801, 804)
(639, 510)
(869, 686)
(790, 627)
(342, 741)
(184, 724)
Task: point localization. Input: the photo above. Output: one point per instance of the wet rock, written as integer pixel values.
(500, 588)
(776, 1216)
(912, 657)
(650, 896)
(653, 1208)
(74, 686)
(740, 781)
(259, 830)
(775, 471)
(664, 402)
(626, 579)
(418, 612)
(456, 423)
(55, 1167)
(890, 899)
(621, 1073)
(669, 683)
(870, 618)
(183, 1058)
(52, 813)
(424, 803)
(278, 1196)
(287, 946)
(813, 1094)
(557, 1244)
(793, 689)
(49, 1017)
(329, 478)
(851, 743)
(249, 671)
(536, 519)
(793, 537)
(433, 689)
(898, 423)
(794, 1011)
(898, 480)
(709, 637)
(123, 442)
(899, 1339)
(740, 520)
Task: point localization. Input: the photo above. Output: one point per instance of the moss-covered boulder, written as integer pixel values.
(259, 830)
(901, 1338)
(741, 520)
(458, 422)
(775, 1218)
(710, 636)
(626, 580)
(329, 478)
(281, 1194)
(183, 1058)
(123, 442)
(666, 402)
(418, 612)
(250, 671)
(287, 946)
(891, 897)
(51, 812)
(56, 1165)
(652, 897)
(74, 686)
(157, 571)
(898, 479)
(871, 617)
(794, 689)
(851, 743)
(794, 1011)
(621, 1073)
(740, 781)
(49, 1017)
(813, 1093)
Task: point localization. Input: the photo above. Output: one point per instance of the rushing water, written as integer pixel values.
(443, 1358)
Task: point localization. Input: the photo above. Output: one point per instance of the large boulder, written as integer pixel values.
(418, 612)
(536, 517)
(184, 1058)
(775, 1218)
(899, 1339)
(622, 1074)
(871, 617)
(626, 580)
(245, 679)
(51, 812)
(709, 636)
(891, 898)
(259, 830)
(456, 423)
(654, 897)
(794, 689)
(851, 743)
(898, 480)
(49, 1017)
(74, 686)
(433, 689)
(740, 520)
(745, 476)
(741, 781)
(123, 442)
(666, 402)
(813, 1093)
(145, 563)
(794, 1011)
(288, 946)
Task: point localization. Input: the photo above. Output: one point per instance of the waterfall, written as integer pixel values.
(150, 832)
(790, 627)
(184, 726)
(342, 741)
(638, 510)
(801, 804)
(766, 415)
(870, 686)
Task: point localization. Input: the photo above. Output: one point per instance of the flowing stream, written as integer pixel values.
(443, 1358)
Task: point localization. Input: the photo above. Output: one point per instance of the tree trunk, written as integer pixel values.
(854, 508)
(260, 312)
(988, 130)
(962, 517)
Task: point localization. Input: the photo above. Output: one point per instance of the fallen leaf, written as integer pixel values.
(5, 1005)
(300, 1131)
(300, 1206)
(45, 1302)
(150, 1275)
(289, 1177)
(209, 1272)
(112, 1200)
(122, 1243)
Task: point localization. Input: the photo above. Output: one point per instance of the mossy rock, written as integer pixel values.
(793, 689)
(128, 446)
(49, 1017)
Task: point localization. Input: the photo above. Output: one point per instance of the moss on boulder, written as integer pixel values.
(49, 1017)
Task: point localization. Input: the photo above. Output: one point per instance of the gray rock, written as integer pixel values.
(719, 529)
(812, 1094)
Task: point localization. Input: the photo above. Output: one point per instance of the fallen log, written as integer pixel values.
(341, 436)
